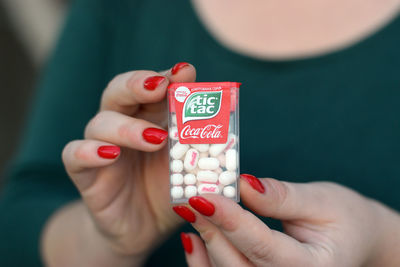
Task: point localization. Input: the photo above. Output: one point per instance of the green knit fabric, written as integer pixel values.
(332, 117)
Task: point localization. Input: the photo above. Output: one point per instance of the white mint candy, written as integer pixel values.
(178, 150)
(208, 163)
(227, 177)
(217, 149)
(176, 165)
(232, 139)
(229, 191)
(207, 176)
(190, 191)
(208, 189)
(189, 179)
(201, 147)
(176, 179)
(173, 133)
(191, 159)
(177, 192)
(231, 159)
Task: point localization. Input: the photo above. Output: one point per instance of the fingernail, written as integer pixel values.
(185, 213)
(202, 205)
(108, 152)
(154, 135)
(254, 182)
(152, 82)
(187, 243)
(178, 66)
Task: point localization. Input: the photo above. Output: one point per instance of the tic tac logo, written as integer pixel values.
(201, 105)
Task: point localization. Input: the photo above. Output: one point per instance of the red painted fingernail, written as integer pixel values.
(108, 152)
(202, 205)
(254, 182)
(178, 66)
(185, 213)
(154, 135)
(152, 82)
(187, 243)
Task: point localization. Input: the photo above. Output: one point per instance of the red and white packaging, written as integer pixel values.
(203, 126)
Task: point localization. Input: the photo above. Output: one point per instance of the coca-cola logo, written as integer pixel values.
(210, 189)
(209, 131)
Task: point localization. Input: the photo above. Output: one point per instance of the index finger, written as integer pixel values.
(260, 244)
(127, 91)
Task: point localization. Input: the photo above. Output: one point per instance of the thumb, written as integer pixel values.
(283, 200)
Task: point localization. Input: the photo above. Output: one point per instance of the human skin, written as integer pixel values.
(123, 213)
(325, 224)
(103, 228)
(118, 223)
(293, 29)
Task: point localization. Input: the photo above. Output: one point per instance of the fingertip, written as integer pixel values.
(202, 205)
(143, 86)
(195, 250)
(182, 72)
(186, 242)
(185, 213)
(81, 155)
(254, 182)
(154, 136)
(152, 82)
(108, 151)
(178, 66)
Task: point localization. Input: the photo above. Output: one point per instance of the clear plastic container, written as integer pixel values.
(203, 124)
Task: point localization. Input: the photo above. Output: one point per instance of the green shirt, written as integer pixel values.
(332, 117)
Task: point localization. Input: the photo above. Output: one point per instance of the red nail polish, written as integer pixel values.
(185, 213)
(178, 66)
(254, 182)
(202, 205)
(152, 82)
(108, 152)
(187, 243)
(154, 135)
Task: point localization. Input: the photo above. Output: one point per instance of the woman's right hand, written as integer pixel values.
(125, 192)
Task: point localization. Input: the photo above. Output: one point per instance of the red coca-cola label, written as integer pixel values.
(202, 111)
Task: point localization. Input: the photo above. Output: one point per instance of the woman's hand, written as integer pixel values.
(121, 172)
(325, 224)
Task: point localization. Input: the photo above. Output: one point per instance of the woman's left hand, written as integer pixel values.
(325, 224)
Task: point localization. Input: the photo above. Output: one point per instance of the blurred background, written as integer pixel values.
(28, 30)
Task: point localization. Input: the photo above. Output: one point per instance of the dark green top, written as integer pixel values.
(333, 117)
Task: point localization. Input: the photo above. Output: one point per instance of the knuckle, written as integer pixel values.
(328, 256)
(207, 235)
(320, 256)
(282, 192)
(227, 222)
(66, 152)
(92, 123)
(96, 122)
(133, 79)
(259, 252)
(81, 153)
(230, 219)
(115, 81)
(112, 93)
(124, 131)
